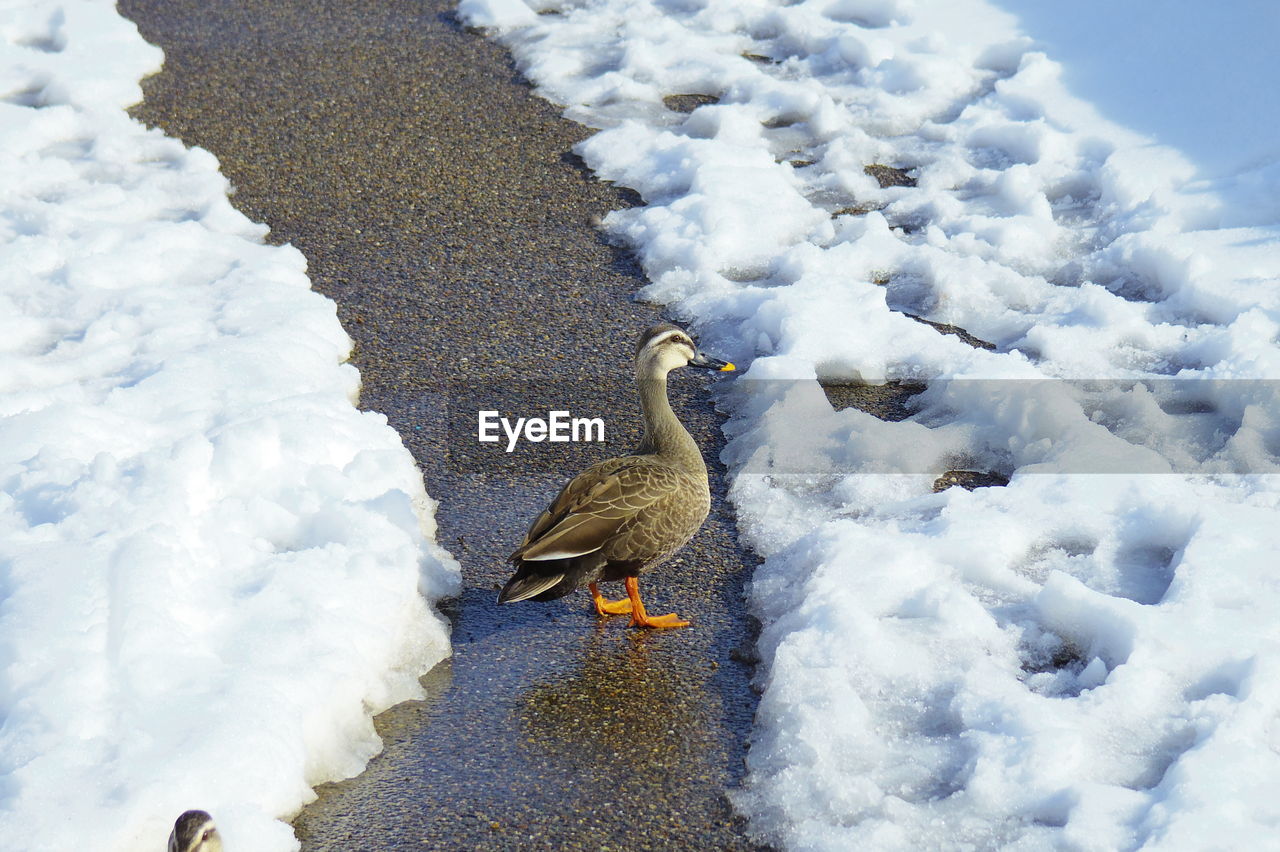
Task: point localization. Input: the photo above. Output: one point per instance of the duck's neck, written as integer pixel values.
(664, 435)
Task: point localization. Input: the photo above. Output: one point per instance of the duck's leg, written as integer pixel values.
(607, 607)
(639, 618)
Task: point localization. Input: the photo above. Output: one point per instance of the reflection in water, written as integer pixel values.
(626, 712)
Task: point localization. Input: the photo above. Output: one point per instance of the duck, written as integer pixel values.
(194, 831)
(624, 516)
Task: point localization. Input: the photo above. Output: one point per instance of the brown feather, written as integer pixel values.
(576, 535)
(624, 515)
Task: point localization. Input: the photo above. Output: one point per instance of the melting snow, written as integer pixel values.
(213, 568)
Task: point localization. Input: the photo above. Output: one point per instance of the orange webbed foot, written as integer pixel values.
(608, 607)
(659, 621)
(621, 607)
(640, 618)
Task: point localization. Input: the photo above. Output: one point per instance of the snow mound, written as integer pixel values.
(834, 190)
(213, 568)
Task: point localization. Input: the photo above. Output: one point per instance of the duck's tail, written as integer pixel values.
(528, 584)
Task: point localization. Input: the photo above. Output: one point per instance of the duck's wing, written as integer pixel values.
(574, 492)
(592, 507)
(662, 527)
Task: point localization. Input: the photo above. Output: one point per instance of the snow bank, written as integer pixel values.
(1076, 661)
(213, 568)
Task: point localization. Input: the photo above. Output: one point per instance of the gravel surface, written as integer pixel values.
(436, 202)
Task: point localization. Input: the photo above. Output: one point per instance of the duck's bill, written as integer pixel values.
(706, 362)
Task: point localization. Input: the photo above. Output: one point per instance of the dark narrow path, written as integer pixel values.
(433, 198)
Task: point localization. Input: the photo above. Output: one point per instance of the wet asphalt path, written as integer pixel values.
(434, 198)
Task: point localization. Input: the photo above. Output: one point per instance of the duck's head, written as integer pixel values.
(195, 832)
(666, 347)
